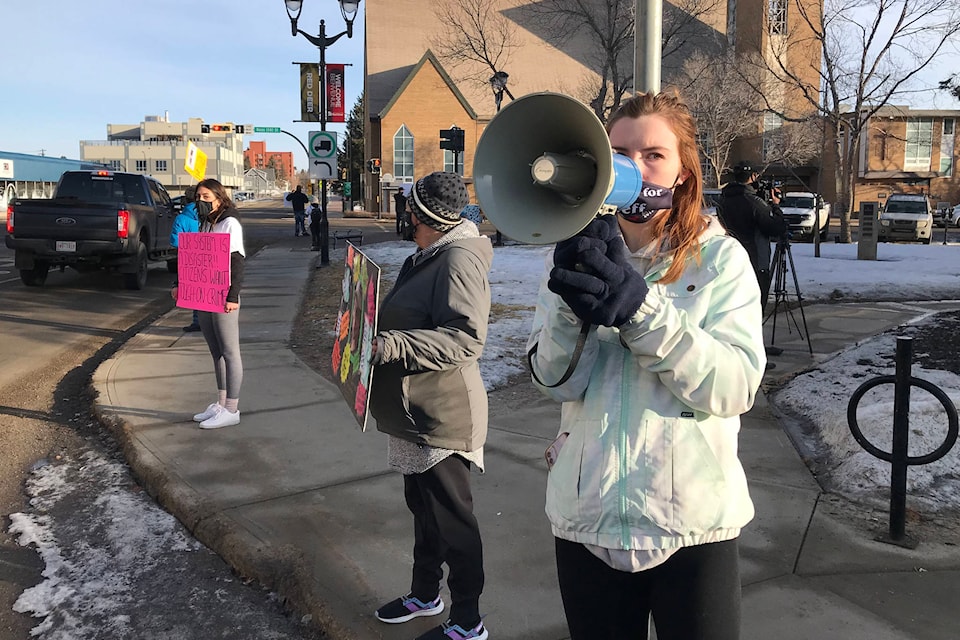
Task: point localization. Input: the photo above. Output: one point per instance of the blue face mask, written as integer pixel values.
(652, 198)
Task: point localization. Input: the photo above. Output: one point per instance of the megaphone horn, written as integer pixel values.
(544, 167)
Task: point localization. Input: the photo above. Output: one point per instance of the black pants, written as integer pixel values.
(695, 595)
(445, 530)
(315, 233)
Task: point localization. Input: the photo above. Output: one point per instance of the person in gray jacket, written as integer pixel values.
(427, 395)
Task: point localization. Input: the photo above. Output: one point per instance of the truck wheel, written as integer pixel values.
(172, 265)
(824, 233)
(138, 279)
(36, 276)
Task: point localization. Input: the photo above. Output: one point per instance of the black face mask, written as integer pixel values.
(652, 198)
(204, 209)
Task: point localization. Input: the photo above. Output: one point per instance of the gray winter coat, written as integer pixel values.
(426, 386)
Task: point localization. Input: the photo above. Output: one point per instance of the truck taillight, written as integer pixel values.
(9, 218)
(123, 223)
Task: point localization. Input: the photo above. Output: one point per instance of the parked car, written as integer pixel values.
(711, 196)
(950, 217)
(800, 212)
(906, 217)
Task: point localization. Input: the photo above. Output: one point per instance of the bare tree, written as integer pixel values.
(721, 102)
(476, 40)
(872, 50)
(610, 27)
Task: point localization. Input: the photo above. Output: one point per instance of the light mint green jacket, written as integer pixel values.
(653, 408)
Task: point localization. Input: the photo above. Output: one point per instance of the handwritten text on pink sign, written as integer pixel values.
(203, 271)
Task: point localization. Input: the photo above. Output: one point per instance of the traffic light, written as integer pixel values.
(221, 128)
(373, 165)
(451, 139)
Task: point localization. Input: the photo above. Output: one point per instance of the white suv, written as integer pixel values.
(799, 211)
(906, 217)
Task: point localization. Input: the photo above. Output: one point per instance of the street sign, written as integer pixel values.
(266, 130)
(321, 169)
(323, 144)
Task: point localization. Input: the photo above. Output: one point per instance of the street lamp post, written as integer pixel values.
(348, 8)
(498, 82)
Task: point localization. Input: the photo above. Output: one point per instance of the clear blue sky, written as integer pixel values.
(73, 66)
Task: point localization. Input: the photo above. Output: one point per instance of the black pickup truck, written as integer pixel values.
(96, 220)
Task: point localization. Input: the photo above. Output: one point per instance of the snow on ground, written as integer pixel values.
(901, 273)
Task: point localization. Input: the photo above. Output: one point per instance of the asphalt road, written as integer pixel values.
(53, 338)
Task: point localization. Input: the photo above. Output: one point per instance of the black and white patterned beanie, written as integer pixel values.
(439, 199)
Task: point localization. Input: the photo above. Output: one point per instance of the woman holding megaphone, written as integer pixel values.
(660, 312)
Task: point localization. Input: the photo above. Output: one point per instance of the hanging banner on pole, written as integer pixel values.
(336, 111)
(309, 92)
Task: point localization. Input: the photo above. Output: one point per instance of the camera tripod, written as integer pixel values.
(781, 255)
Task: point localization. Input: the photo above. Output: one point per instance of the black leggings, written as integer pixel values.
(695, 595)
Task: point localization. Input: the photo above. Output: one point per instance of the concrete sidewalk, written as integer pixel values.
(298, 498)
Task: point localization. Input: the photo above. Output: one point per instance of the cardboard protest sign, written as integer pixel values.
(356, 326)
(203, 271)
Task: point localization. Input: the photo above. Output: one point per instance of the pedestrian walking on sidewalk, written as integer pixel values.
(187, 221)
(427, 395)
(298, 199)
(221, 330)
(646, 333)
(400, 207)
(316, 218)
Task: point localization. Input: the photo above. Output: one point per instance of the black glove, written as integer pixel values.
(596, 235)
(594, 278)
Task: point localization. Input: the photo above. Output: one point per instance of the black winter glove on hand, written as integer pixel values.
(597, 234)
(593, 277)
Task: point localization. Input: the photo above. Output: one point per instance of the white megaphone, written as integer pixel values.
(544, 168)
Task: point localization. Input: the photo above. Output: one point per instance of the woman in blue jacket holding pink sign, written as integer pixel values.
(221, 329)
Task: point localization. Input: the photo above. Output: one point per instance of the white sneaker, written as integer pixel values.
(208, 413)
(223, 418)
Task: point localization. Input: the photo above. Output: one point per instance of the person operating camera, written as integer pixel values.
(749, 219)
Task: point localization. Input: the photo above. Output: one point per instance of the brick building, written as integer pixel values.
(256, 156)
(904, 150)
(410, 96)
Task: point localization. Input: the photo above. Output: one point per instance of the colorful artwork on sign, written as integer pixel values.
(356, 326)
(203, 271)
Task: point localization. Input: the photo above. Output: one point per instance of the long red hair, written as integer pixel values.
(686, 221)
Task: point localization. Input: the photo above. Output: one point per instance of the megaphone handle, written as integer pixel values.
(574, 359)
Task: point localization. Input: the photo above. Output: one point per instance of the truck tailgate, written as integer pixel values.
(66, 219)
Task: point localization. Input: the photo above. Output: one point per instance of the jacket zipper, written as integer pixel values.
(622, 455)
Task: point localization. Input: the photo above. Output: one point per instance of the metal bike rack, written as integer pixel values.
(902, 381)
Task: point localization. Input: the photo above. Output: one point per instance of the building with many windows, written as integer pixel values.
(158, 147)
(257, 157)
(904, 150)
(411, 94)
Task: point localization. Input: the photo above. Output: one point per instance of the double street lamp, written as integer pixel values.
(348, 8)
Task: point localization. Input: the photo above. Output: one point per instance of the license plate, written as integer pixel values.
(66, 245)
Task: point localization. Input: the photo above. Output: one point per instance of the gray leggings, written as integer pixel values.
(222, 333)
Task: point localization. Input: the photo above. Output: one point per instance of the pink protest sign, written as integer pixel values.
(203, 271)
